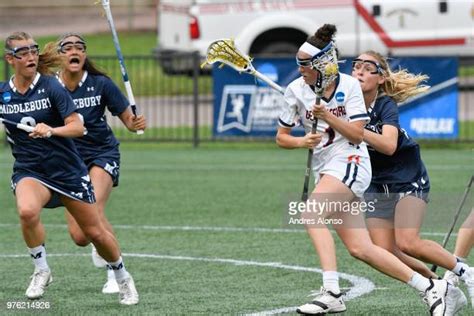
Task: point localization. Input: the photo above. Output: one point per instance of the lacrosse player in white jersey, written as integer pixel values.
(341, 166)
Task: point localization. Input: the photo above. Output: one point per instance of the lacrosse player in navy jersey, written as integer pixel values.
(48, 170)
(93, 93)
(400, 185)
(342, 171)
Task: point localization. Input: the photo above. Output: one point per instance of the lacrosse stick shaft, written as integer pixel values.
(268, 81)
(455, 219)
(307, 175)
(26, 128)
(118, 50)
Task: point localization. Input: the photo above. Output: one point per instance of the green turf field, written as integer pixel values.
(202, 232)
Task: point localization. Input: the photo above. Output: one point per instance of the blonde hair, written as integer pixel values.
(48, 61)
(401, 84)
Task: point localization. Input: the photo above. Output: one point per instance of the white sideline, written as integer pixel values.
(209, 229)
(360, 285)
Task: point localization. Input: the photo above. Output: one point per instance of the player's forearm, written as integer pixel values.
(71, 129)
(379, 142)
(288, 141)
(351, 132)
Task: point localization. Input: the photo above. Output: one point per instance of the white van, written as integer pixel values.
(397, 27)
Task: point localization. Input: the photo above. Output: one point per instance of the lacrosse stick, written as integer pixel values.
(126, 82)
(225, 52)
(455, 219)
(26, 128)
(307, 174)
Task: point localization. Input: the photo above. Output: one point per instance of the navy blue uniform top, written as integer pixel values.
(92, 96)
(405, 165)
(55, 158)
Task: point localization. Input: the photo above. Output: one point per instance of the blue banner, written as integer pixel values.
(245, 106)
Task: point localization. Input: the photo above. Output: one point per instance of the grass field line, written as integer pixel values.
(235, 167)
(360, 285)
(228, 229)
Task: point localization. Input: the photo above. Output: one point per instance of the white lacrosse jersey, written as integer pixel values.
(334, 155)
(346, 102)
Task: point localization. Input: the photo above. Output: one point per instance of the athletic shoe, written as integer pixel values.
(324, 302)
(451, 277)
(435, 297)
(97, 260)
(128, 294)
(110, 287)
(468, 279)
(455, 300)
(39, 280)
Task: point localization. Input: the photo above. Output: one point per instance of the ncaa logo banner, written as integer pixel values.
(245, 106)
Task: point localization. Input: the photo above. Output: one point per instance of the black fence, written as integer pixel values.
(179, 108)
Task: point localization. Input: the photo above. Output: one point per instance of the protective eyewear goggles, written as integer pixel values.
(306, 62)
(65, 47)
(369, 66)
(23, 51)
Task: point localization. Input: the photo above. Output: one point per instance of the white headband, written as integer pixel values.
(309, 49)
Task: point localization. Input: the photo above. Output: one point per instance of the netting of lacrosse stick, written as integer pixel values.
(225, 52)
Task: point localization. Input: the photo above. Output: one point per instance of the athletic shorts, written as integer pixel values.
(352, 167)
(79, 190)
(109, 161)
(384, 197)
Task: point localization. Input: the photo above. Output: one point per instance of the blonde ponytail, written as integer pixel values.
(401, 84)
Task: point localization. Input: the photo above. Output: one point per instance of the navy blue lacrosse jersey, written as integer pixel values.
(93, 95)
(405, 165)
(55, 158)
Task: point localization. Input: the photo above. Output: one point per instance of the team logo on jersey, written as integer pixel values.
(90, 89)
(340, 97)
(41, 91)
(6, 96)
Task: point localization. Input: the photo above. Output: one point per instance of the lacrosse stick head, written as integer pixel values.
(225, 52)
(325, 62)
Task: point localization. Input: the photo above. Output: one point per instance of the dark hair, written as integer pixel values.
(323, 36)
(46, 61)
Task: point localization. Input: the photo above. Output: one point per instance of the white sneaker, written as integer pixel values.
(468, 279)
(39, 280)
(455, 300)
(435, 297)
(110, 287)
(451, 277)
(97, 260)
(128, 294)
(324, 302)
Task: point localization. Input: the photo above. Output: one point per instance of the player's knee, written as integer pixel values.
(80, 239)
(358, 251)
(407, 245)
(28, 214)
(94, 234)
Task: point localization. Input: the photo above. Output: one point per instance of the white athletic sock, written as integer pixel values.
(119, 269)
(331, 281)
(460, 268)
(461, 259)
(419, 282)
(110, 273)
(39, 257)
